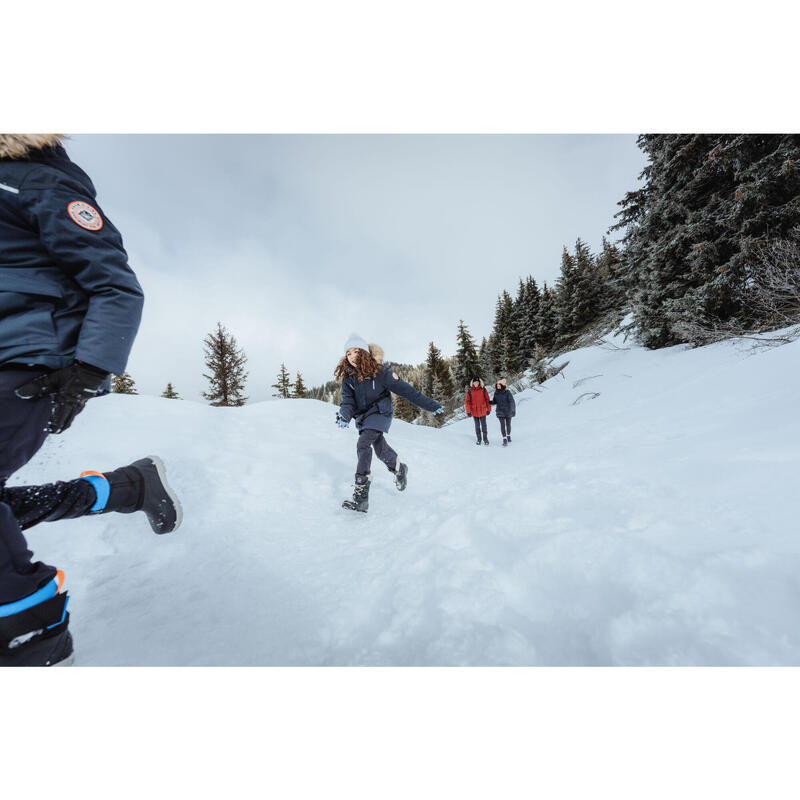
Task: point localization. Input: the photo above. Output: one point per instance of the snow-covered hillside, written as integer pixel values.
(654, 523)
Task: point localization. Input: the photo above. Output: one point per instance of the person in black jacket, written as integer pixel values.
(367, 387)
(505, 408)
(70, 308)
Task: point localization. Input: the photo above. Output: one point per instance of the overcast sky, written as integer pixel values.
(293, 242)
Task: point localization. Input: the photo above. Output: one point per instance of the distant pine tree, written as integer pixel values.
(225, 361)
(546, 319)
(283, 384)
(170, 393)
(588, 287)
(501, 342)
(609, 268)
(299, 389)
(467, 361)
(486, 370)
(123, 384)
(433, 366)
(566, 298)
(528, 304)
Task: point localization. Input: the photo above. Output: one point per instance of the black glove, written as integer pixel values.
(69, 387)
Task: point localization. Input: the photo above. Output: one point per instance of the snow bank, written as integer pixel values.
(646, 513)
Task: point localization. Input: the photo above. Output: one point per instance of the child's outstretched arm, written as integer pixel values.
(399, 386)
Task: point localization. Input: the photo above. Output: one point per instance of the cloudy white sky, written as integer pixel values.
(292, 242)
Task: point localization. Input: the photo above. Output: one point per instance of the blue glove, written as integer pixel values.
(439, 410)
(341, 423)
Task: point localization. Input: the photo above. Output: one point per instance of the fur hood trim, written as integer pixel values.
(483, 385)
(376, 351)
(19, 145)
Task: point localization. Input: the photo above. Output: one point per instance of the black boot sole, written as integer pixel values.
(168, 490)
(350, 506)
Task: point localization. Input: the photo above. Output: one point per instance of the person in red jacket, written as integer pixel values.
(478, 407)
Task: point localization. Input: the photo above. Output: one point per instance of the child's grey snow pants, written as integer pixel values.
(23, 429)
(369, 440)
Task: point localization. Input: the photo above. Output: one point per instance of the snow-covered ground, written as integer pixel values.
(655, 523)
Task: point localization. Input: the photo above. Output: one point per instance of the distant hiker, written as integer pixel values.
(505, 408)
(367, 387)
(69, 310)
(478, 407)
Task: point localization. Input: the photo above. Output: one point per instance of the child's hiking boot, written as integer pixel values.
(360, 501)
(401, 477)
(141, 486)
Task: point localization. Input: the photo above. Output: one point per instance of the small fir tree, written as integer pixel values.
(225, 361)
(282, 384)
(123, 384)
(170, 393)
(299, 389)
(467, 363)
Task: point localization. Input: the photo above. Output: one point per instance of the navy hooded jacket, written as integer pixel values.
(504, 404)
(66, 290)
(370, 401)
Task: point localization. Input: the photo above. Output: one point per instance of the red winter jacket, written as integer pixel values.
(477, 403)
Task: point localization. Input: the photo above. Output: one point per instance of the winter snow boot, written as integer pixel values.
(401, 477)
(486, 442)
(478, 442)
(33, 630)
(141, 486)
(360, 501)
(505, 442)
(509, 438)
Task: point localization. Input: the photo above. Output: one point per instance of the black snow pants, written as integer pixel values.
(480, 425)
(505, 426)
(23, 429)
(369, 440)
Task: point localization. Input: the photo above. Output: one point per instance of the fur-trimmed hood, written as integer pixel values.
(376, 351)
(502, 381)
(20, 145)
(483, 385)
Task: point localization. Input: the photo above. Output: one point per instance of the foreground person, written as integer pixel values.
(367, 388)
(70, 308)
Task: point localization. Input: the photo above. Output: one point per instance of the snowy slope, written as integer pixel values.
(655, 523)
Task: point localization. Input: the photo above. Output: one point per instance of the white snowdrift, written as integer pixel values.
(654, 523)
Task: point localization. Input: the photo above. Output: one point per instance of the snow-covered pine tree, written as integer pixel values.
(692, 231)
(467, 362)
(225, 361)
(282, 384)
(566, 298)
(170, 393)
(484, 359)
(609, 260)
(527, 324)
(123, 384)
(299, 388)
(588, 288)
(433, 366)
(546, 319)
(501, 340)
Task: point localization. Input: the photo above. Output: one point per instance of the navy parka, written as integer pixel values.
(504, 404)
(370, 402)
(66, 290)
